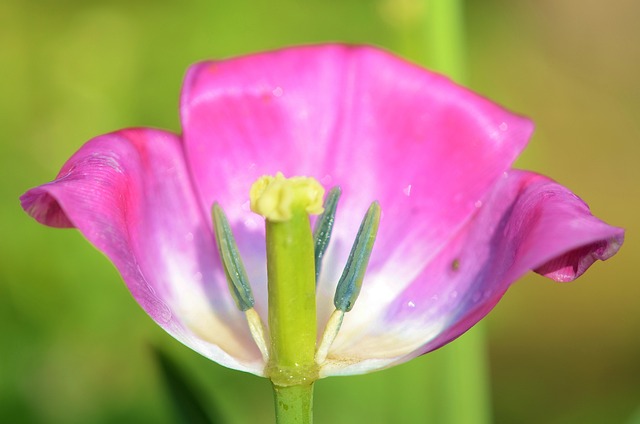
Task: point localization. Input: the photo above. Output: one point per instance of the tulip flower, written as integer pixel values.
(449, 224)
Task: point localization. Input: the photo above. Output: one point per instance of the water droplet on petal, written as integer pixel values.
(411, 304)
(407, 190)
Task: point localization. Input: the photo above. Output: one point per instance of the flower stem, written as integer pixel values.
(465, 368)
(294, 404)
(286, 203)
(444, 35)
(466, 380)
(292, 317)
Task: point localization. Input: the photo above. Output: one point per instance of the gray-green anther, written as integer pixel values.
(324, 226)
(351, 280)
(232, 262)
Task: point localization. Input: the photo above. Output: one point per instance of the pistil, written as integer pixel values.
(286, 205)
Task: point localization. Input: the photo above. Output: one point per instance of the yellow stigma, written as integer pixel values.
(276, 198)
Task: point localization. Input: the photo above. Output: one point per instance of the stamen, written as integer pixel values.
(329, 335)
(232, 262)
(237, 279)
(324, 226)
(350, 282)
(258, 332)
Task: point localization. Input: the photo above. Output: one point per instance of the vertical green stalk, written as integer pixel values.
(286, 203)
(465, 368)
(292, 317)
(292, 302)
(294, 404)
(467, 389)
(444, 38)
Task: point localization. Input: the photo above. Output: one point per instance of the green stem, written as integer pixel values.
(286, 203)
(466, 376)
(467, 388)
(292, 317)
(444, 38)
(294, 404)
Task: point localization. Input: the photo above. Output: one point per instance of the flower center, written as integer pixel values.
(294, 259)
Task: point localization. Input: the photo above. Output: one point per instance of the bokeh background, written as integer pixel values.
(76, 348)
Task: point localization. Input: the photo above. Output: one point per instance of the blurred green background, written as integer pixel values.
(75, 346)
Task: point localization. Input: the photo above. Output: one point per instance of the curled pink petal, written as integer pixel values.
(526, 222)
(130, 195)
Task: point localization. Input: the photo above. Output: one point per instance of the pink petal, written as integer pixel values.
(381, 128)
(130, 195)
(526, 222)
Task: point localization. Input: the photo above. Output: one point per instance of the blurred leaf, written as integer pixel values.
(187, 402)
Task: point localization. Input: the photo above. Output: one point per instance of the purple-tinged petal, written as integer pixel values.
(527, 222)
(130, 194)
(381, 128)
